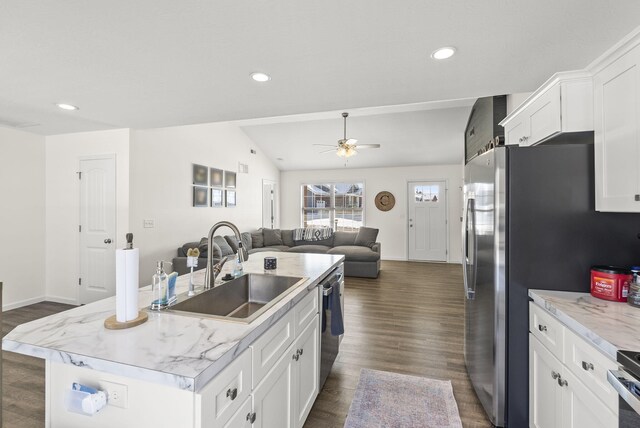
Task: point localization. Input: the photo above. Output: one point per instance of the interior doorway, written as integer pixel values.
(427, 226)
(269, 204)
(97, 227)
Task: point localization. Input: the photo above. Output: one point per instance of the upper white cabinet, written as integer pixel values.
(563, 104)
(617, 127)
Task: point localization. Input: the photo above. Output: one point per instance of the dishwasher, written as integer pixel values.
(329, 344)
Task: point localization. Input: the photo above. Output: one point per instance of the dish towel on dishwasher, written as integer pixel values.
(332, 302)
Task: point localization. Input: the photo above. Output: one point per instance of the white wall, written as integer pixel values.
(393, 223)
(62, 203)
(161, 186)
(22, 222)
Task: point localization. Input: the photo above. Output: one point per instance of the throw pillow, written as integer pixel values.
(202, 246)
(344, 238)
(257, 241)
(366, 237)
(232, 241)
(216, 252)
(224, 246)
(271, 237)
(327, 242)
(246, 240)
(287, 237)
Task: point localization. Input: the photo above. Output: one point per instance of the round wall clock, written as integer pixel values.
(385, 201)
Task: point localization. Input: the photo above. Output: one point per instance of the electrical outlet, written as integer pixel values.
(148, 223)
(117, 394)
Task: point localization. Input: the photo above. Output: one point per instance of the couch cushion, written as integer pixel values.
(223, 244)
(366, 236)
(356, 253)
(287, 237)
(325, 242)
(233, 242)
(271, 237)
(317, 249)
(278, 248)
(257, 241)
(344, 238)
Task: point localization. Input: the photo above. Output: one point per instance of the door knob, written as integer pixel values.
(107, 241)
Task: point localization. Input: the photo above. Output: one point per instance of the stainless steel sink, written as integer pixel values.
(242, 299)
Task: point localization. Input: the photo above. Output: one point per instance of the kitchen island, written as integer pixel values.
(165, 371)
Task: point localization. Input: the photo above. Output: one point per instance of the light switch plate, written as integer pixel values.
(149, 223)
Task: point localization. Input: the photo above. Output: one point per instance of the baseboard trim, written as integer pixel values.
(394, 259)
(21, 303)
(57, 299)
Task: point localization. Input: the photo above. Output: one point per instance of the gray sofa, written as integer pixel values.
(362, 253)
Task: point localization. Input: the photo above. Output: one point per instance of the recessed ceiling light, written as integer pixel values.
(260, 77)
(443, 53)
(67, 106)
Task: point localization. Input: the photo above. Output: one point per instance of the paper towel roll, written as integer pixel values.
(127, 262)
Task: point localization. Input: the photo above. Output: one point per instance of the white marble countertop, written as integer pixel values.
(609, 326)
(175, 350)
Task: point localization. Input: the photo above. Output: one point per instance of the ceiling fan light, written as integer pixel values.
(342, 152)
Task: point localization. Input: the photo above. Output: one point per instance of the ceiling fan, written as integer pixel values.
(347, 147)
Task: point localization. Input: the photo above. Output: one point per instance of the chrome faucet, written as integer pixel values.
(213, 271)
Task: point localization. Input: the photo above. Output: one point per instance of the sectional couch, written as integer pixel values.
(361, 251)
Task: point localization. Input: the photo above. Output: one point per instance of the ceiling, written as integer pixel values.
(156, 63)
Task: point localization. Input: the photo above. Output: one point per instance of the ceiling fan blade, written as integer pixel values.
(367, 146)
(327, 151)
(324, 145)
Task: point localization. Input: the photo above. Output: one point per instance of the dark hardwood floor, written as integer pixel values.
(409, 320)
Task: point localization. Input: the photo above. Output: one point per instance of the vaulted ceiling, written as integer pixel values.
(155, 63)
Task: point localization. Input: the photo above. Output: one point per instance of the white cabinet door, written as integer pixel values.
(544, 116)
(241, 418)
(516, 131)
(268, 348)
(581, 408)
(617, 134)
(273, 399)
(307, 371)
(545, 396)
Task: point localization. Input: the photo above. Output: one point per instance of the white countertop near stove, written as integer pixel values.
(609, 326)
(181, 351)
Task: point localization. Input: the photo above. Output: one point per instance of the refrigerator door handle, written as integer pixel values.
(469, 283)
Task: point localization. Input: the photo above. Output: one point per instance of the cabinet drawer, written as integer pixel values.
(241, 418)
(225, 394)
(268, 348)
(546, 328)
(305, 311)
(590, 366)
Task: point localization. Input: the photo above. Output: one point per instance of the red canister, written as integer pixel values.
(610, 283)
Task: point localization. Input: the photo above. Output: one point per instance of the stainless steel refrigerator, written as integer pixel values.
(529, 222)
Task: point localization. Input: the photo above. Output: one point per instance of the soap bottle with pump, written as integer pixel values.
(160, 288)
(237, 269)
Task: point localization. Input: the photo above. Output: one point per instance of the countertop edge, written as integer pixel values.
(584, 332)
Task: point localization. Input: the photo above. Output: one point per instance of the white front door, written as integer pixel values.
(269, 204)
(97, 228)
(427, 221)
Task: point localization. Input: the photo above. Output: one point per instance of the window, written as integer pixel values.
(337, 205)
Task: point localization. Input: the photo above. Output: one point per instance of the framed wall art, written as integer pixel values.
(231, 198)
(230, 179)
(200, 175)
(200, 196)
(215, 177)
(216, 198)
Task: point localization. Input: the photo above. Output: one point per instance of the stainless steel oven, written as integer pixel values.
(626, 380)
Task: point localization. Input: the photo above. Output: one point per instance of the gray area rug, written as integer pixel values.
(392, 400)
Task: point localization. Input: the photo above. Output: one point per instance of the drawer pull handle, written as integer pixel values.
(296, 356)
(232, 393)
(299, 351)
(562, 382)
(555, 375)
(587, 366)
(542, 327)
(251, 417)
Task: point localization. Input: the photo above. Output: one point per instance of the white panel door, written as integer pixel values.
(97, 228)
(427, 221)
(269, 202)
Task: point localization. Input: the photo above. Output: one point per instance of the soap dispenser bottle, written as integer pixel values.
(237, 269)
(160, 288)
